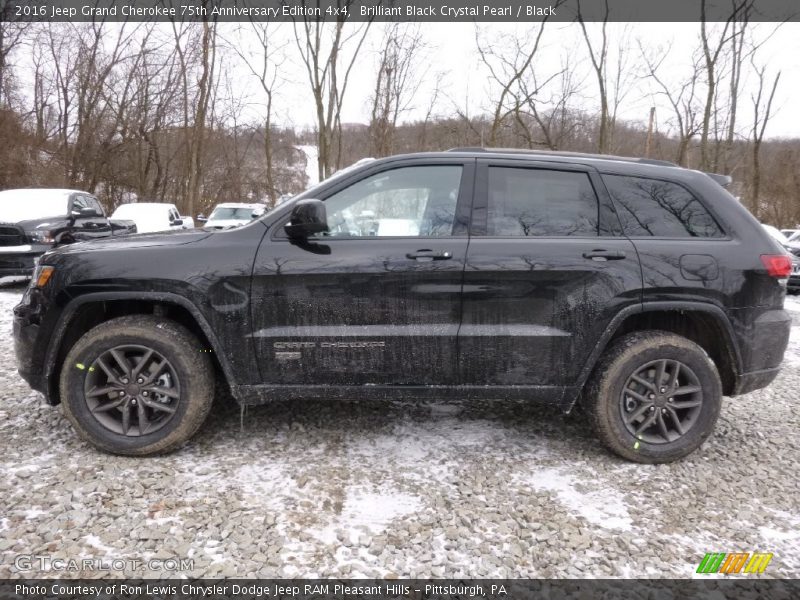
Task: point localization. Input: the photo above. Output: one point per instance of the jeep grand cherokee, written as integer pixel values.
(641, 289)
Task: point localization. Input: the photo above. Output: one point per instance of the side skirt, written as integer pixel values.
(250, 395)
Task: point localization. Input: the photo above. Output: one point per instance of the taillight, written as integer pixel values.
(777, 265)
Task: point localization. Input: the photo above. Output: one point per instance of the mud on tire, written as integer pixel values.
(137, 385)
(654, 397)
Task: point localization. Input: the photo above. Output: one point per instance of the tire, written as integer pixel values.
(641, 354)
(174, 399)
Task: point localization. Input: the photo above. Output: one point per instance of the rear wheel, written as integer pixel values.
(654, 397)
(137, 385)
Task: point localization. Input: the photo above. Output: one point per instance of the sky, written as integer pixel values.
(451, 51)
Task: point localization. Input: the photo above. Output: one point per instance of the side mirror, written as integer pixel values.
(201, 218)
(256, 213)
(85, 213)
(177, 222)
(308, 218)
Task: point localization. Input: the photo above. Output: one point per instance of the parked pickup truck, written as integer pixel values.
(33, 221)
(642, 290)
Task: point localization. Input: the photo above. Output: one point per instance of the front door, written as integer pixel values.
(547, 269)
(377, 299)
(85, 229)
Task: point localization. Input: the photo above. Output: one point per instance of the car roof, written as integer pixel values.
(605, 163)
(39, 191)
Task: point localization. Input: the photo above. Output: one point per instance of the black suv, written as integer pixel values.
(642, 289)
(34, 220)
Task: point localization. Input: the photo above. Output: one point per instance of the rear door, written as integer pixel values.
(546, 270)
(377, 300)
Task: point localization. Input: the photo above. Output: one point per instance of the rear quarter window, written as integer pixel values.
(657, 208)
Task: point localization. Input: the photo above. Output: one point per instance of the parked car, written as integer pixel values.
(34, 220)
(642, 289)
(233, 214)
(151, 216)
(793, 285)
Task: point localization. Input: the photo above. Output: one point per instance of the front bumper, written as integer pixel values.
(30, 345)
(19, 261)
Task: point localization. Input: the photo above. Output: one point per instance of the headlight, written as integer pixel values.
(40, 235)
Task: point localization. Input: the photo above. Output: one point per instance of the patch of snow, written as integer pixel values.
(602, 507)
(97, 543)
(312, 160)
(368, 512)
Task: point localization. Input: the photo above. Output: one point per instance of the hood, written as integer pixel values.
(177, 237)
(225, 223)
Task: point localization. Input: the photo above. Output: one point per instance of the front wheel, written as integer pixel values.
(137, 385)
(654, 397)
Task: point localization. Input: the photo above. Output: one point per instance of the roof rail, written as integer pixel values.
(645, 161)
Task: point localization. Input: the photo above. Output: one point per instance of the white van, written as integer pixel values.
(151, 216)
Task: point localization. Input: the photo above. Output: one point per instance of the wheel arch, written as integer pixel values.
(89, 310)
(704, 324)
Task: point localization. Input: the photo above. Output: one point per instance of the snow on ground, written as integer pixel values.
(312, 167)
(418, 489)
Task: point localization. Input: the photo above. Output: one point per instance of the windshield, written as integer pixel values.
(223, 213)
(795, 237)
(27, 205)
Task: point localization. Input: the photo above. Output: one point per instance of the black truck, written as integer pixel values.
(643, 290)
(34, 220)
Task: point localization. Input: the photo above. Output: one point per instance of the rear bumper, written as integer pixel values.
(763, 339)
(749, 382)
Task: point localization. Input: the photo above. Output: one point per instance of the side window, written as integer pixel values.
(651, 207)
(95, 204)
(540, 202)
(80, 201)
(406, 202)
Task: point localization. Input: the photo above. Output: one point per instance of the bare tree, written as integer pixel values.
(322, 46)
(508, 68)
(599, 58)
(762, 111)
(266, 67)
(681, 96)
(397, 83)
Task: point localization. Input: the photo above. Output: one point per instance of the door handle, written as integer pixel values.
(602, 255)
(426, 255)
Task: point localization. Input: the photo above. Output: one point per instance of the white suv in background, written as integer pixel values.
(233, 214)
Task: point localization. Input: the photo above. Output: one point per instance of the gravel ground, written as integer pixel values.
(408, 489)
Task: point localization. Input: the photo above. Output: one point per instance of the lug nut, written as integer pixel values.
(671, 400)
(144, 393)
(651, 396)
(663, 390)
(140, 380)
(124, 380)
(133, 401)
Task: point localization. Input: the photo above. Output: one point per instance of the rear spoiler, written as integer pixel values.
(723, 180)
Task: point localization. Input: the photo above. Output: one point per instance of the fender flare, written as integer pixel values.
(69, 311)
(657, 306)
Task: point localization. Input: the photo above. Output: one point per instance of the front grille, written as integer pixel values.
(11, 235)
